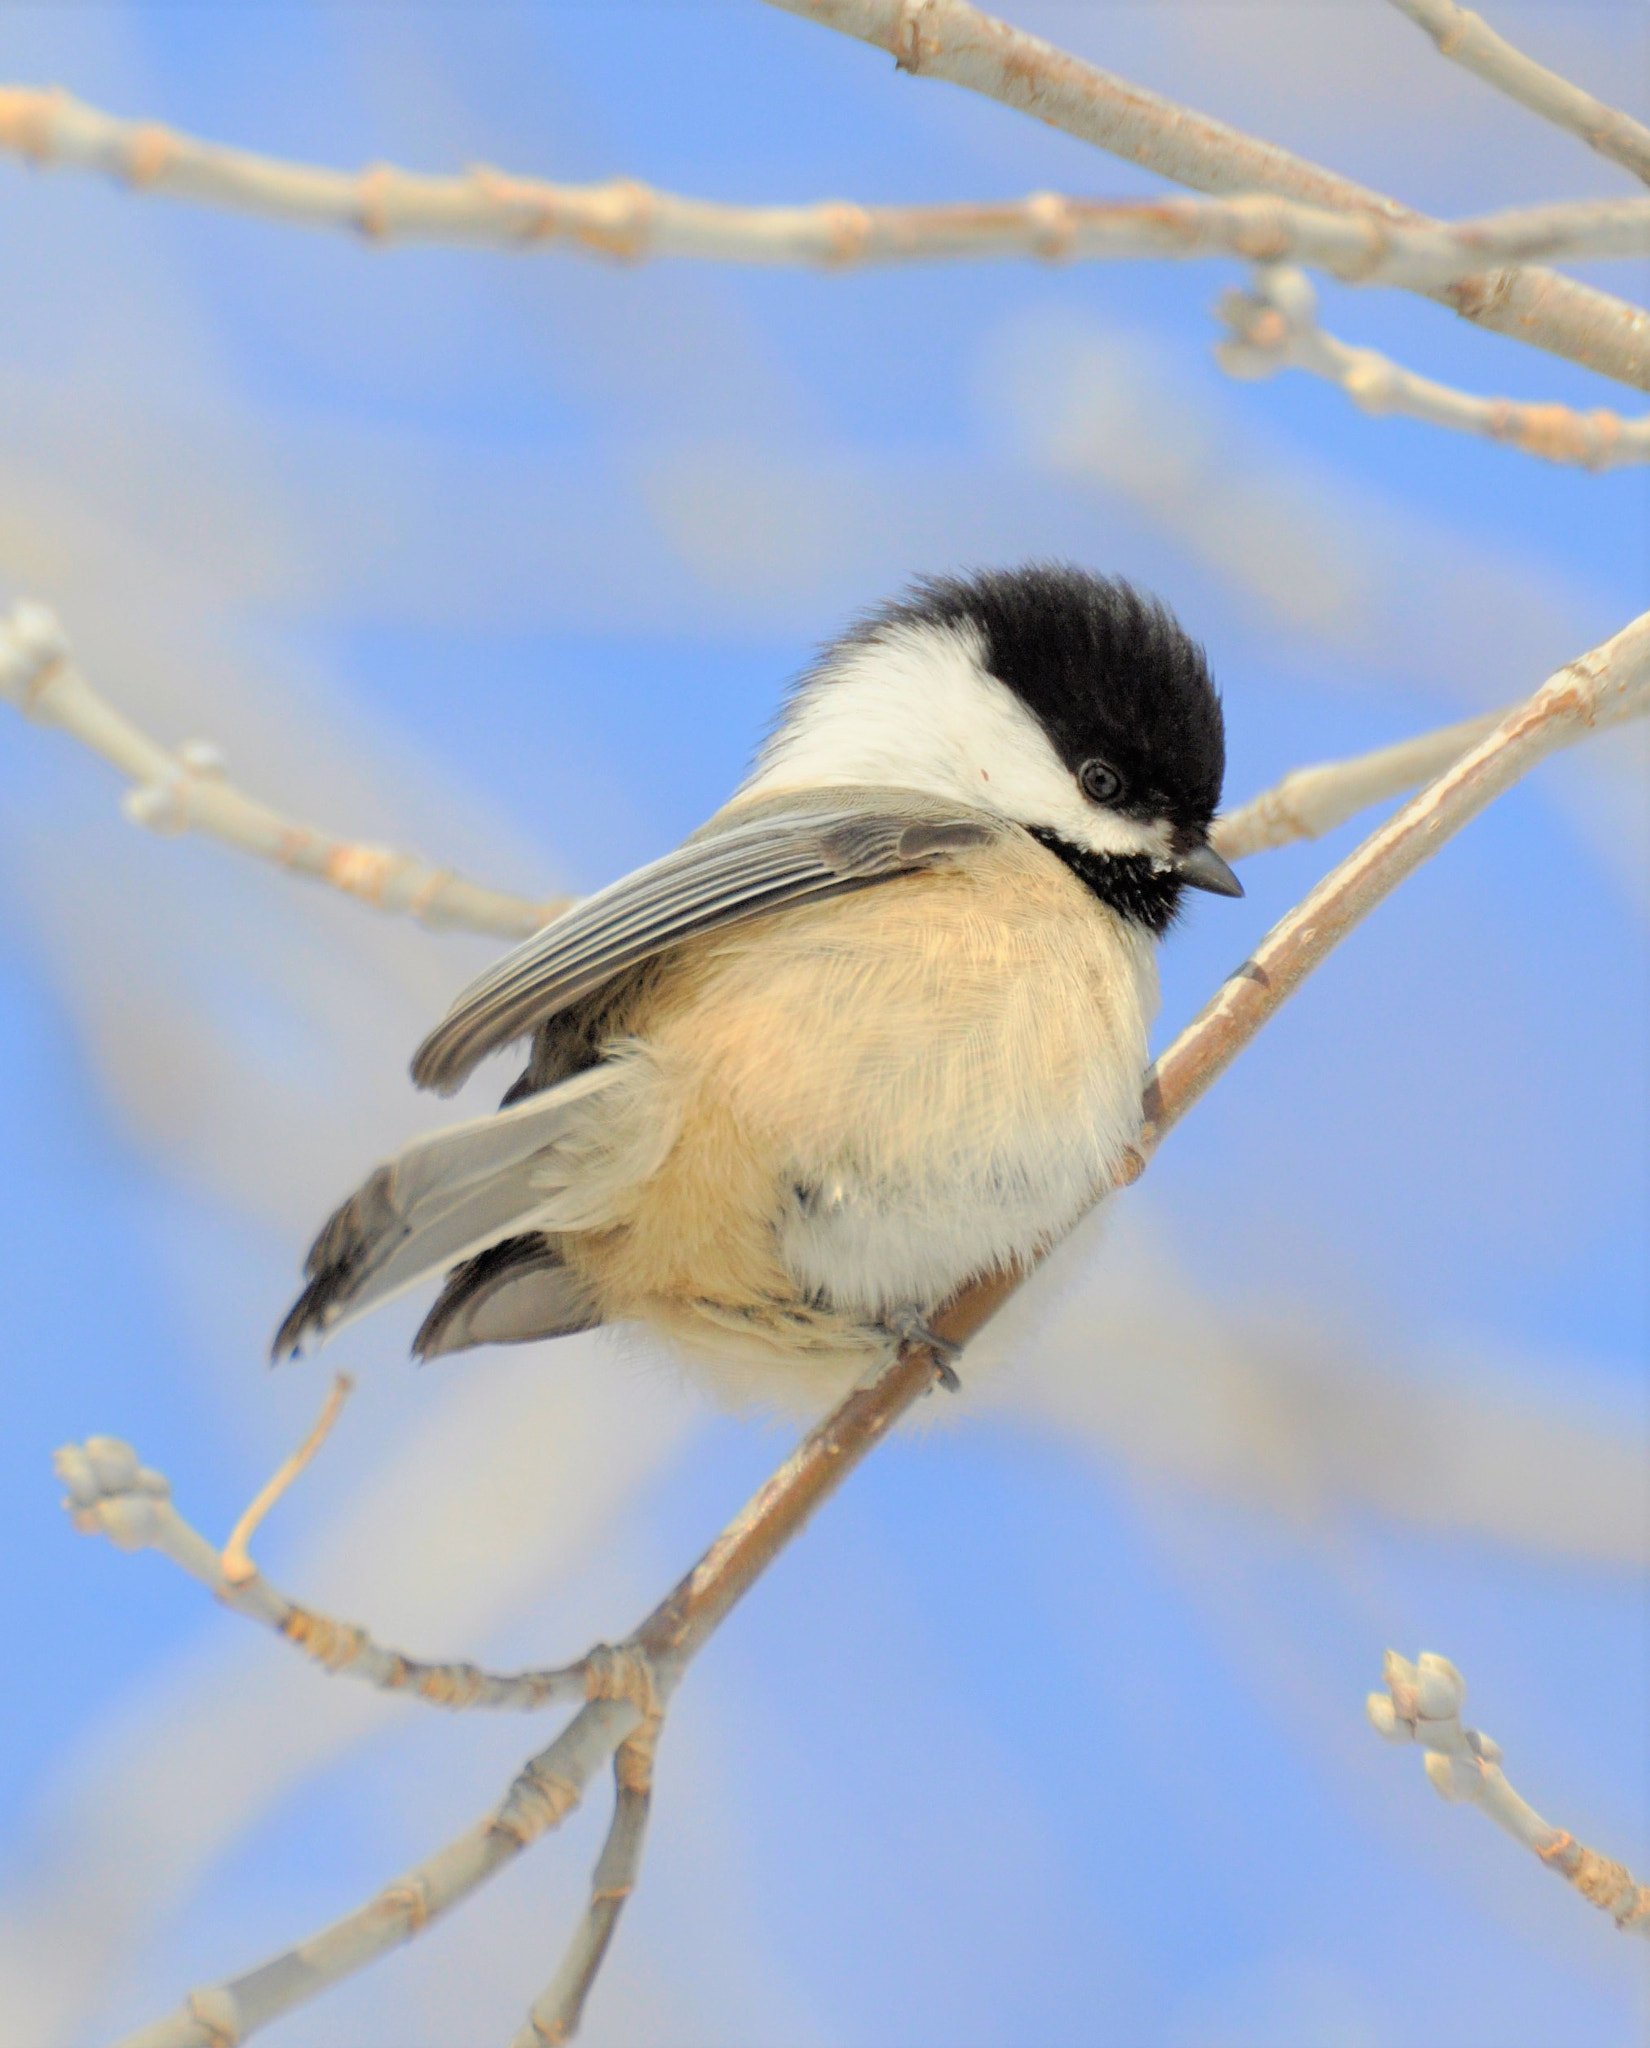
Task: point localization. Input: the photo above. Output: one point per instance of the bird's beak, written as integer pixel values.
(1203, 868)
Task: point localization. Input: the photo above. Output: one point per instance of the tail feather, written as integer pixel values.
(561, 1160)
(510, 1294)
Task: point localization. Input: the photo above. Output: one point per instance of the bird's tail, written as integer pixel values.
(562, 1160)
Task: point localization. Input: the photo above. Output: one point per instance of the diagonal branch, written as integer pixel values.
(1422, 1703)
(1610, 684)
(1469, 41)
(188, 790)
(1273, 325)
(952, 40)
(625, 220)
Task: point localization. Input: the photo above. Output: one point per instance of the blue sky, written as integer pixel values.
(1050, 1729)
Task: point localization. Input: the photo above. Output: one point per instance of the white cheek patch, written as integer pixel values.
(915, 708)
(1103, 831)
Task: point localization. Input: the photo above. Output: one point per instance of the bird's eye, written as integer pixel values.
(1101, 782)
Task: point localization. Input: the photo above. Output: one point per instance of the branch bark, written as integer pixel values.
(1273, 325)
(544, 1792)
(630, 221)
(189, 790)
(952, 40)
(1468, 40)
(1422, 1703)
(1604, 687)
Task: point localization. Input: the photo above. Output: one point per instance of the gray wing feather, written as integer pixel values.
(795, 849)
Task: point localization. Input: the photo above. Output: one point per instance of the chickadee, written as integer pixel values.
(876, 1029)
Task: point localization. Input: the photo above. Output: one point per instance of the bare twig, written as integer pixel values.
(555, 2014)
(109, 1493)
(188, 790)
(625, 219)
(1309, 802)
(236, 1562)
(1470, 41)
(950, 39)
(1274, 325)
(1608, 685)
(1422, 1703)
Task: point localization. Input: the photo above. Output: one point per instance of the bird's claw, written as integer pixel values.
(911, 1328)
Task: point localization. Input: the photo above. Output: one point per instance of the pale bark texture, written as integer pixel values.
(951, 40)
(1468, 40)
(1274, 325)
(628, 221)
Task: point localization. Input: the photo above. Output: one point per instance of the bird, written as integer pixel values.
(878, 1028)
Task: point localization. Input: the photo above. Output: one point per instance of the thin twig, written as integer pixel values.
(1422, 1703)
(1469, 41)
(951, 40)
(236, 1563)
(189, 791)
(624, 219)
(110, 1493)
(1610, 684)
(1273, 325)
(1309, 802)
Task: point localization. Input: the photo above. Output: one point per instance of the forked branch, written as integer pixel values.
(1604, 687)
(1422, 1703)
(1274, 325)
(189, 790)
(952, 40)
(108, 1492)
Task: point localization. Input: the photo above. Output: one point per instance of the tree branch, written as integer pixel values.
(950, 39)
(1469, 41)
(108, 1492)
(1610, 684)
(1309, 802)
(625, 219)
(555, 2014)
(1422, 1703)
(1274, 325)
(544, 1792)
(1604, 687)
(188, 790)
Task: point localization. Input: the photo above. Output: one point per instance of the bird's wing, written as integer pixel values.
(793, 849)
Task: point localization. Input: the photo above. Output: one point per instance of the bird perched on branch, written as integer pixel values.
(877, 1029)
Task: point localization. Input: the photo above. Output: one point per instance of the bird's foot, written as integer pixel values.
(911, 1327)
